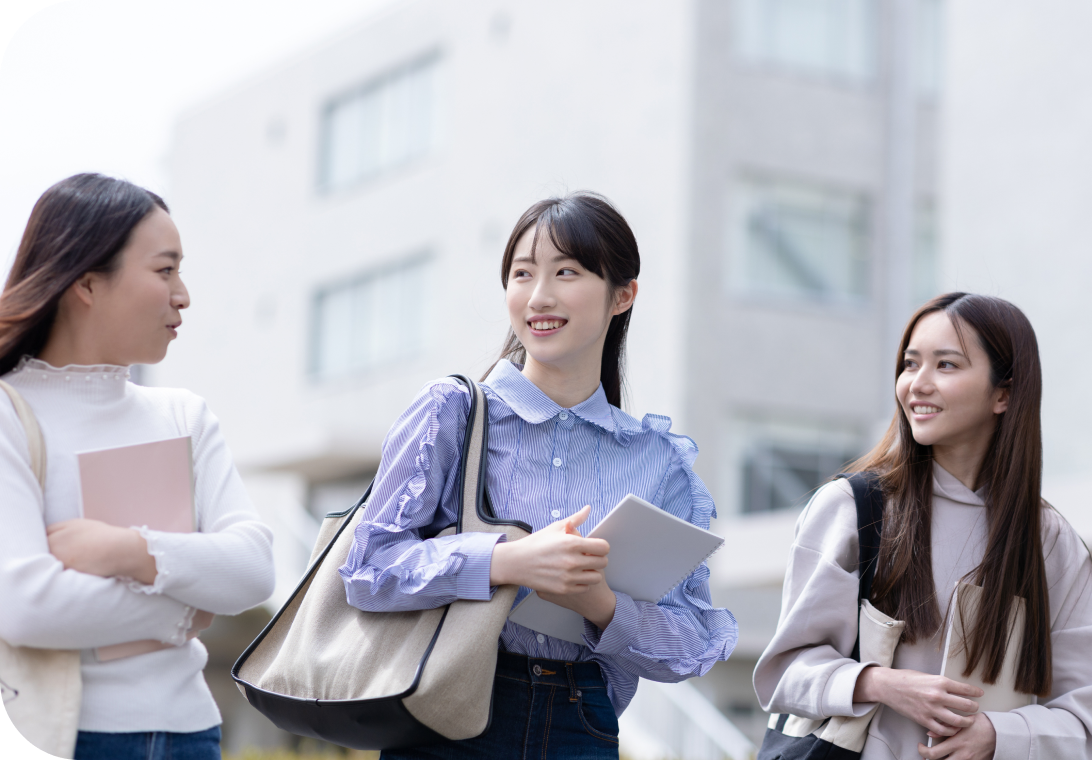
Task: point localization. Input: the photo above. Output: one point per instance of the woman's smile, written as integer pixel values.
(921, 411)
(545, 325)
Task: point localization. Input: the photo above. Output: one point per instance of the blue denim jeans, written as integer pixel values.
(541, 709)
(156, 745)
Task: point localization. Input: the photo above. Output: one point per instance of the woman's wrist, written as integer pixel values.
(870, 685)
(133, 559)
(499, 564)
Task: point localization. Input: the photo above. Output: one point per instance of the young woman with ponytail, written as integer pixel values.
(95, 288)
(960, 468)
(561, 454)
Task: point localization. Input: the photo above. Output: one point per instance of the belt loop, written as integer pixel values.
(572, 681)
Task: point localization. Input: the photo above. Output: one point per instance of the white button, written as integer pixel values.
(541, 639)
(557, 462)
(537, 670)
(556, 513)
(564, 415)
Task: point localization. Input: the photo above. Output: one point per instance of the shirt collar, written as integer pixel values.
(529, 402)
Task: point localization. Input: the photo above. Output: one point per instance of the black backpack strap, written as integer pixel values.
(868, 496)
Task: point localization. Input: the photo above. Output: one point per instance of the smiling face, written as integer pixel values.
(135, 310)
(945, 389)
(559, 310)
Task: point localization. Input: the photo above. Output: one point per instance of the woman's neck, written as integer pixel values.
(566, 387)
(962, 461)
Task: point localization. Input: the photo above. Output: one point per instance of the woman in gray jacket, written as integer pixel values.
(960, 468)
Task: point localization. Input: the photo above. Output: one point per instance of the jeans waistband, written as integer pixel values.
(572, 675)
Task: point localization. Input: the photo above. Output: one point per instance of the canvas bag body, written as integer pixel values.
(42, 688)
(790, 737)
(383, 680)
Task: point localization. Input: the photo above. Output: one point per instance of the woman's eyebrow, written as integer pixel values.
(938, 352)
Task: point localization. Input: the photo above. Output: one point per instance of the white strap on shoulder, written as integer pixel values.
(34, 433)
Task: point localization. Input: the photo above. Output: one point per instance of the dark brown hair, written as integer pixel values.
(1011, 473)
(586, 227)
(78, 226)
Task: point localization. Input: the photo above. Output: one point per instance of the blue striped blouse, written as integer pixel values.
(545, 463)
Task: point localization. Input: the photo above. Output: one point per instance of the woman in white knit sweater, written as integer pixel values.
(960, 471)
(95, 288)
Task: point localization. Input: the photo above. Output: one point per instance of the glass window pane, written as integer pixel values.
(370, 320)
(826, 37)
(797, 240)
(380, 126)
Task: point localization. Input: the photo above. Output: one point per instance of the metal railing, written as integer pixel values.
(674, 721)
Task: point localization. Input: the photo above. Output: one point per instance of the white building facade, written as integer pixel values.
(344, 218)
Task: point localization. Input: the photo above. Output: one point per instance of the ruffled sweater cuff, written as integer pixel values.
(162, 571)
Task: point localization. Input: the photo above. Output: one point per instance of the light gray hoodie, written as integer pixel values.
(807, 671)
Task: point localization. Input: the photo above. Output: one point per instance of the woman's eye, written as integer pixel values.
(521, 273)
(908, 364)
(946, 365)
(568, 270)
(167, 271)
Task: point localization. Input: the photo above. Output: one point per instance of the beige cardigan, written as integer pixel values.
(806, 670)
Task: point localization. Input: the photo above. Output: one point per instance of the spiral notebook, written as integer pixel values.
(651, 552)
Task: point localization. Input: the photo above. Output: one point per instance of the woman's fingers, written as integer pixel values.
(960, 704)
(962, 689)
(577, 519)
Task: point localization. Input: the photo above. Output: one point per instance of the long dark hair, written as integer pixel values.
(1011, 474)
(588, 228)
(78, 226)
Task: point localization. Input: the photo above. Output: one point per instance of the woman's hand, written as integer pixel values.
(976, 742)
(95, 548)
(930, 701)
(561, 565)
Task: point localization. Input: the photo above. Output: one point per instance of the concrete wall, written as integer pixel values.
(1017, 188)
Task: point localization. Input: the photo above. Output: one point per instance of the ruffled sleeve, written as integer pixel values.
(392, 564)
(683, 634)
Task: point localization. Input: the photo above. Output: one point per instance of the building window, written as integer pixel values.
(370, 320)
(836, 38)
(800, 241)
(386, 123)
(779, 477)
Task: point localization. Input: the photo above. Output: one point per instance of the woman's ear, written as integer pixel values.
(83, 289)
(1001, 400)
(624, 297)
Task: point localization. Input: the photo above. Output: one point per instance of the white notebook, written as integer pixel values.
(1001, 696)
(651, 552)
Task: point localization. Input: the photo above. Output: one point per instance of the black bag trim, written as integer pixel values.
(382, 722)
(868, 499)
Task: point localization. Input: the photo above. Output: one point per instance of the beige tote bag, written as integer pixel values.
(383, 680)
(41, 687)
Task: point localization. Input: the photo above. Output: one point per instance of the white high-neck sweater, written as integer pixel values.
(807, 671)
(225, 567)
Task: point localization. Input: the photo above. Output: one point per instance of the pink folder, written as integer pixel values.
(132, 486)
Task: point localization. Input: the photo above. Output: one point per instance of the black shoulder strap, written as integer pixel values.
(868, 496)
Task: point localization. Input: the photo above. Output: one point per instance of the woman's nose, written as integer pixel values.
(180, 298)
(542, 296)
(922, 384)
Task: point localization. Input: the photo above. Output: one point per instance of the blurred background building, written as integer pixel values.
(345, 215)
(799, 175)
